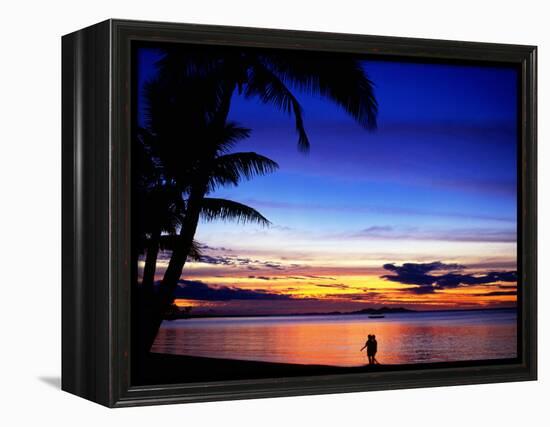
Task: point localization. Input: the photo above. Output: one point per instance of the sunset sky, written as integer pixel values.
(420, 213)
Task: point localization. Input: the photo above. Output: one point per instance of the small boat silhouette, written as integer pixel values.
(376, 316)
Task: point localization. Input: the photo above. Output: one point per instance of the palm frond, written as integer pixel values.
(195, 253)
(167, 242)
(202, 75)
(229, 169)
(225, 210)
(269, 88)
(195, 61)
(343, 81)
(228, 137)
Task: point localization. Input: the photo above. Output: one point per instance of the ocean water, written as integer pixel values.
(336, 339)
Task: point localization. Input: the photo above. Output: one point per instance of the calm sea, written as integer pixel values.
(336, 340)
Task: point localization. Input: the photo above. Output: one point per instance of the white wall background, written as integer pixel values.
(30, 201)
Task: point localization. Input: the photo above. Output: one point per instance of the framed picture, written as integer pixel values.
(257, 213)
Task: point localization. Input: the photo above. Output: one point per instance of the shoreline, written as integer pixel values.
(160, 368)
(349, 313)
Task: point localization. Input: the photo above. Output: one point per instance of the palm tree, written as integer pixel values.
(211, 77)
(159, 207)
(162, 205)
(171, 192)
(225, 169)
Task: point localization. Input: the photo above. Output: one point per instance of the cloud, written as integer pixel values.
(492, 264)
(370, 297)
(310, 276)
(197, 290)
(388, 210)
(452, 235)
(273, 265)
(235, 261)
(216, 260)
(452, 280)
(214, 248)
(304, 277)
(333, 285)
(418, 274)
(352, 297)
(282, 227)
(507, 286)
(496, 294)
(376, 229)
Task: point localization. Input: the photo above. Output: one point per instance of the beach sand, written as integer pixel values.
(171, 369)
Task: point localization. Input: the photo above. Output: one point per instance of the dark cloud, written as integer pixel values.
(416, 273)
(421, 290)
(423, 267)
(352, 297)
(197, 290)
(216, 260)
(496, 294)
(419, 274)
(333, 285)
(304, 277)
(370, 297)
(273, 265)
(452, 280)
(214, 248)
(251, 264)
(265, 278)
(319, 277)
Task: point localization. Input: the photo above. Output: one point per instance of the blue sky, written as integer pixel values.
(438, 175)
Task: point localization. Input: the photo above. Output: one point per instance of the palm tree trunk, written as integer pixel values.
(146, 299)
(151, 261)
(182, 247)
(184, 241)
(142, 318)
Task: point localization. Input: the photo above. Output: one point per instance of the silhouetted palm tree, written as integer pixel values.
(189, 103)
(162, 206)
(159, 209)
(181, 171)
(211, 77)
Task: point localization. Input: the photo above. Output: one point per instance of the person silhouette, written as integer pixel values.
(372, 347)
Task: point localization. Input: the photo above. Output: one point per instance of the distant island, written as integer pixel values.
(185, 312)
(381, 310)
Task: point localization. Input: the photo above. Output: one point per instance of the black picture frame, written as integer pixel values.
(96, 205)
